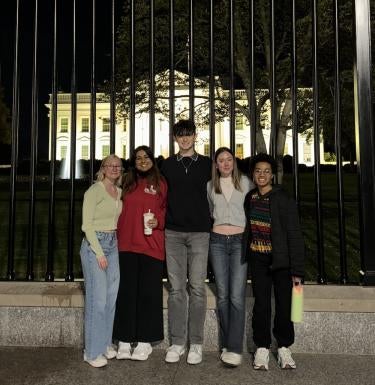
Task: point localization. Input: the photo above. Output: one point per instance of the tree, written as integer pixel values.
(242, 50)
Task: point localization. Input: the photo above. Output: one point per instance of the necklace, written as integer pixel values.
(187, 165)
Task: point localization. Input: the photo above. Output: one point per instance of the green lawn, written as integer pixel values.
(308, 220)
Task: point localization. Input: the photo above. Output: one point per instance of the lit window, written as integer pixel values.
(85, 152)
(206, 149)
(85, 125)
(239, 150)
(106, 124)
(105, 150)
(307, 152)
(64, 124)
(239, 122)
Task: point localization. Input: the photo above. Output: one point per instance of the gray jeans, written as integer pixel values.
(187, 255)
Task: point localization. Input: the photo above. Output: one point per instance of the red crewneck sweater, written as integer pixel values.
(130, 223)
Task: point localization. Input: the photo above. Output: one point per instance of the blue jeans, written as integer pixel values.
(187, 255)
(230, 277)
(101, 288)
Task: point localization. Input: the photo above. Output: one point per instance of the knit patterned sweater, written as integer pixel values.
(260, 224)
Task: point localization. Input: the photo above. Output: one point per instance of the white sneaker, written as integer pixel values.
(261, 359)
(285, 359)
(174, 352)
(124, 351)
(223, 350)
(98, 362)
(110, 352)
(195, 354)
(142, 351)
(231, 359)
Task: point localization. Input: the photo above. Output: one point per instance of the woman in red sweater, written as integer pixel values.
(139, 307)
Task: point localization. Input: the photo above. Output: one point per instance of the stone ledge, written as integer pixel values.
(318, 298)
(337, 319)
(42, 294)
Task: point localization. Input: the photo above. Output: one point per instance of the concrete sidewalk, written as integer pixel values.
(64, 366)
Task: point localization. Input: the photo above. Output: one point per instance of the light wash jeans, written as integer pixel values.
(101, 288)
(187, 255)
(230, 277)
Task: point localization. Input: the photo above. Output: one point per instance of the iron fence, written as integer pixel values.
(241, 42)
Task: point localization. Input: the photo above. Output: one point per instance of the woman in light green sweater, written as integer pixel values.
(99, 255)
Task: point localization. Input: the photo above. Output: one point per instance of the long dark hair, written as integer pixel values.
(132, 176)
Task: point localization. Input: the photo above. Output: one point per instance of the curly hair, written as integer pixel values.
(262, 157)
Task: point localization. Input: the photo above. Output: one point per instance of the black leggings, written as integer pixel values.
(139, 306)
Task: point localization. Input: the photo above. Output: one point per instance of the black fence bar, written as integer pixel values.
(232, 96)
(93, 95)
(171, 76)
(364, 126)
(293, 95)
(212, 81)
(73, 134)
(253, 103)
(321, 278)
(112, 137)
(50, 276)
(152, 79)
(132, 78)
(272, 79)
(14, 155)
(191, 61)
(33, 149)
(340, 183)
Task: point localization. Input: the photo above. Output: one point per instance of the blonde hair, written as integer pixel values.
(236, 174)
(100, 175)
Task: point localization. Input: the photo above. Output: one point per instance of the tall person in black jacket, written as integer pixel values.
(275, 248)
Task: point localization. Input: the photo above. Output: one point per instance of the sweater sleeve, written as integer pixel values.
(209, 197)
(295, 241)
(88, 214)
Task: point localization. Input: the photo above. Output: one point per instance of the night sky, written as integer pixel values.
(45, 55)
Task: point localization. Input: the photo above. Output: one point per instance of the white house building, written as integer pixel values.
(102, 143)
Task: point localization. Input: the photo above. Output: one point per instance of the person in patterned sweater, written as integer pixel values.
(274, 245)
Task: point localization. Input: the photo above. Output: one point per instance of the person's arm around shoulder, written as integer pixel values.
(246, 184)
(210, 197)
(88, 214)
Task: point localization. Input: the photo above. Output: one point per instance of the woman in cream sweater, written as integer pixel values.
(226, 193)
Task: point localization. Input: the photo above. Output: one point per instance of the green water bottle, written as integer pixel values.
(297, 303)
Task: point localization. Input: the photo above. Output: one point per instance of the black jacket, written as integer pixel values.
(288, 250)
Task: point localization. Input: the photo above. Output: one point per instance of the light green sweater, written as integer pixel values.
(100, 212)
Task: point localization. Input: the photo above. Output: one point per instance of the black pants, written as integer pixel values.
(139, 306)
(262, 280)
